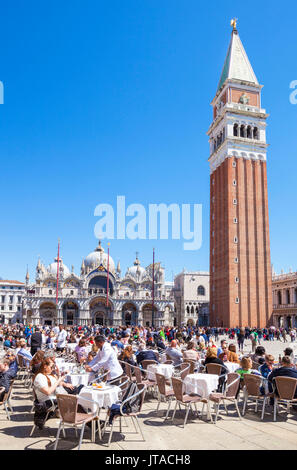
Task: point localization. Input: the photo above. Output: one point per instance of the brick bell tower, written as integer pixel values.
(240, 269)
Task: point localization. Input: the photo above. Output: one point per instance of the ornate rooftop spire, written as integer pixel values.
(99, 247)
(136, 262)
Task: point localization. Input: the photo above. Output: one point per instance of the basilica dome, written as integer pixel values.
(97, 257)
(136, 271)
(52, 268)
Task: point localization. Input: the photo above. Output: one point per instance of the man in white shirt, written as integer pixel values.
(106, 359)
(61, 339)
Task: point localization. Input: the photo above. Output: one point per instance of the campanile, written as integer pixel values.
(240, 269)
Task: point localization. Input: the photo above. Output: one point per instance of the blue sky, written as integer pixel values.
(107, 98)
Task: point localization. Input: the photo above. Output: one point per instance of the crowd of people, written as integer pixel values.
(98, 348)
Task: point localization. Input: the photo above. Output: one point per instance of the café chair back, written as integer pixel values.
(70, 417)
(215, 369)
(183, 399)
(285, 388)
(5, 401)
(230, 393)
(136, 400)
(252, 391)
(164, 392)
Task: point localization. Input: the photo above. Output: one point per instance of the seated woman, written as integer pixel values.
(46, 384)
(211, 358)
(127, 356)
(81, 351)
(229, 354)
(36, 362)
(191, 352)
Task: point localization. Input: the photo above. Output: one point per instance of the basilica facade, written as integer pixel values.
(82, 299)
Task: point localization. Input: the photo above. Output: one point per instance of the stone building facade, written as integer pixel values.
(82, 299)
(284, 293)
(191, 293)
(11, 301)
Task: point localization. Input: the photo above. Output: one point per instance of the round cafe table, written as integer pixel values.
(201, 384)
(105, 397)
(163, 369)
(78, 379)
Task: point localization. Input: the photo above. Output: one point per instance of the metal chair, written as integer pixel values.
(165, 392)
(67, 405)
(184, 370)
(133, 414)
(50, 410)
(147, 362)
(215, 369)
(285, 388)
(5, 401)
(230, 393)
(184, 399)
(150, 384)
(192, 365)
(252, 391)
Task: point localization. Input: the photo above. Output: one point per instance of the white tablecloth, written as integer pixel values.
(163, 369)
(231, 366)
(105, 397)
(201, 384)
(77, 379)
(71, 346)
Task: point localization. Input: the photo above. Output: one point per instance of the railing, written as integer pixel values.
(283, 277)
(280, 306)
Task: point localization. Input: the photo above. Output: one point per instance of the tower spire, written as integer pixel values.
(237, 65)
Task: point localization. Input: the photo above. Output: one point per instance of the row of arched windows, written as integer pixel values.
(192, 309)
(247, 132)
(287, 297)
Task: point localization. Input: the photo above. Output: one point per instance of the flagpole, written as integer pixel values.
(58, 265)
(107, 275)
(153, 302)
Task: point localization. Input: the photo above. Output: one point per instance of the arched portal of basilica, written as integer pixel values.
(100, 313)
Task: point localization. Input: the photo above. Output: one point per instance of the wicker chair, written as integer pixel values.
(285, 388)
(184, 399)
(192, 364)
(133, 415)
(215, 369)
(252, 385)
(147, 362)
(67, 405)
(184, 370)
(150, 384)
(5, 401)
(230, 394)
(165, 392)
